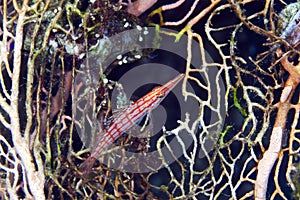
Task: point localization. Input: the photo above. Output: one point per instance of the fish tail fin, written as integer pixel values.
(86, 167)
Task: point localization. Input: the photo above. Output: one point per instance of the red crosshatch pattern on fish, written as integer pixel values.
(131, 115)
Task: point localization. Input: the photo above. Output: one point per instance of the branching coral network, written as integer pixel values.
(249, 151)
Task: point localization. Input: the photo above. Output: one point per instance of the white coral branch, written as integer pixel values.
(35, 178)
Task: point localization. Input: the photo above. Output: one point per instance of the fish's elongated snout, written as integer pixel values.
(172, 83)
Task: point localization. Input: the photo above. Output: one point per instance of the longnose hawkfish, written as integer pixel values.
(127, 119)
